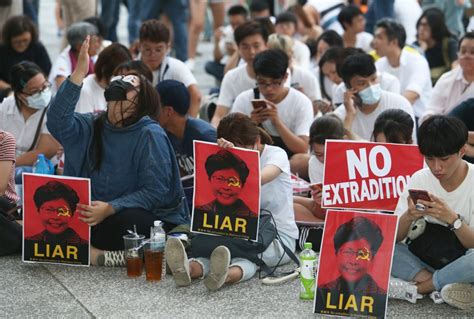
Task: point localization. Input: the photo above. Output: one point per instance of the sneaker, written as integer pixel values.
(436, 297)
(114, 258)
(219, 268)
(459, 295)
(403, 290)
(177, 260)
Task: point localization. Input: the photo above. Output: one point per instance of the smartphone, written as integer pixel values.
(259, 104)
(357, 100)
(417, 194)
(316, 187)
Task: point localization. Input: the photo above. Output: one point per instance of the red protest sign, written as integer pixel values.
(366, 175)
(226, 191)
(355, 262)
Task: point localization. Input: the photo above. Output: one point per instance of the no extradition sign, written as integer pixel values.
(366, 175)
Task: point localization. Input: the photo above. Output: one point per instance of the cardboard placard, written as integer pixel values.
(366, 175)
(52, 231)
(226, 191)
(355, 262)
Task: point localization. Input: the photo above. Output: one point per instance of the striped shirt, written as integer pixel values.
(7, 153)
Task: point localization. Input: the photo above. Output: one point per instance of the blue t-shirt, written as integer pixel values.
(195, 129)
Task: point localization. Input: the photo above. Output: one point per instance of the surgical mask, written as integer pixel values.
(371, 95)
(39, 100)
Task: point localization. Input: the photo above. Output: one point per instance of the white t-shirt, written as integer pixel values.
(364, 41)
(301, 53)
(407, 12)
(307, 81)
(295, 111)
(61, 67)
(387, 82)
(363, 124)
(315, 170)
(413, 74)
(277, 195)
(329, 20)
(461, 200)
(235, 82)
(92, 99)
(11, 120)
(173, 69)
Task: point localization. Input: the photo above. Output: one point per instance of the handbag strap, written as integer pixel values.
(38, 130)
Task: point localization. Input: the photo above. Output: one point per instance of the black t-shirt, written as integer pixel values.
(36, 53)
(435, 57)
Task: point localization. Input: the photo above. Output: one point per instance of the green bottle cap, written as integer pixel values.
(308, 246)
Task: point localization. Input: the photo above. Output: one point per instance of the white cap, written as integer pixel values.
(157, 223)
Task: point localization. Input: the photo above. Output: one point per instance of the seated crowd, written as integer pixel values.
(128, 121)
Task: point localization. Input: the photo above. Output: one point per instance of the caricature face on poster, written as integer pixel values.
(226, 191)
(355, 263)
(52, 231)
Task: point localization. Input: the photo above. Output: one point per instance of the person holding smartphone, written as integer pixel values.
(444, 267)
(364, 99)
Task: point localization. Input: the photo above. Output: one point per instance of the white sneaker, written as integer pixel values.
(436, 297)
(190, 63)
(219, 268)
(403, 290)
(177, 260)
(459, 295)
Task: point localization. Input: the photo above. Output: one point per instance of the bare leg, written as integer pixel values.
(195, 269)
(218, 14)
(234, 275)
(196, 25)
(303, 213)
(307, 208)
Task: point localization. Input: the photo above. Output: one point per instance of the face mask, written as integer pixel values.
(371, 95)
(39, 100)
(119, 86)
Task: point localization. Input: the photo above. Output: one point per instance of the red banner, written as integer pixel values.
(355, 262)
(366, 175)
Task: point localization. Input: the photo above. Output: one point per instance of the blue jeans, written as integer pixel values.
(406, 265)
(176, 11)
(134, 20)
(19, 173)
(109, 15)
(378, 9)
(215, 69)
(271, 256)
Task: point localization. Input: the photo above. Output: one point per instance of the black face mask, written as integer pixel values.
(117, 90)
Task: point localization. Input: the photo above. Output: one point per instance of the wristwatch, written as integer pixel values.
(456, 224)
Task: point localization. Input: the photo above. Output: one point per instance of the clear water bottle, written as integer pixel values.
(308, 259)
(42, 165)
(155, 263)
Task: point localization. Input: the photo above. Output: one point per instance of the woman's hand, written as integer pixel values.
(82, 66)
(225, 143)
(96, 213)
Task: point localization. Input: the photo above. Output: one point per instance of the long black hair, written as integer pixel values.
(147, 104)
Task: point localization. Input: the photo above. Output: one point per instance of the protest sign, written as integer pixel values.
(52, 231)
(366, 175)
(226, 191)
(355, 262)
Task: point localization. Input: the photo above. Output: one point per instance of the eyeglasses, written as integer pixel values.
(46, 86)
(230, 181)
(271, 85)
(150, 51)
(361, 254)
(59, 211)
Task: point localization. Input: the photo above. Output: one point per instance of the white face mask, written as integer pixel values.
(39, 100)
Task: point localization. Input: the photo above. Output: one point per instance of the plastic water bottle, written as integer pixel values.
(308, 259)
(42, 165)
(155, 263)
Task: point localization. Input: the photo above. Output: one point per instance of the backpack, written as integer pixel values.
(10, 231)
